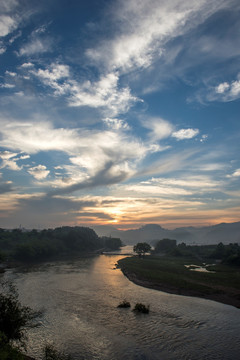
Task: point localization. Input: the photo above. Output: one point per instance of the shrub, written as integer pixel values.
(50, 353)
(15, 318)
(141, 308)
(124, 304)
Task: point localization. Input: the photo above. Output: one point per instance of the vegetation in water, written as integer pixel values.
(124, 304)
(141, 308)
(50, 353)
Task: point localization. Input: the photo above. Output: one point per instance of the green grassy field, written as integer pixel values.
(222, 282)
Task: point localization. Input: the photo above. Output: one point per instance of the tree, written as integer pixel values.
(165, 245)
(15, 318)
(142, 248)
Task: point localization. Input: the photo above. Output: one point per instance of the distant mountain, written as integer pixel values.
(224, 232)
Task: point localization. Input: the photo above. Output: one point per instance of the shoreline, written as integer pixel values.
(223, 298)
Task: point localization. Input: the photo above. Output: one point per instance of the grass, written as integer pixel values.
(170, 272)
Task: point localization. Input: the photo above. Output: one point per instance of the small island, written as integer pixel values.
(207, 271)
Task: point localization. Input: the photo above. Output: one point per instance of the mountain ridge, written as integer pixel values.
(213, 234)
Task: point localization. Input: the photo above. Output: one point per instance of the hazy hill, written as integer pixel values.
(224, 232)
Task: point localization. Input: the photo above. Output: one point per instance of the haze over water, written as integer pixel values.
(81, 316)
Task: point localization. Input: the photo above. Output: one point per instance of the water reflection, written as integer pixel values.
(81, 298)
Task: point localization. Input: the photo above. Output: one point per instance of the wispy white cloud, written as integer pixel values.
(145, 27)
(27, 65)
(32, 137)
(10, 73)
(116, 124)
(228, 91)
(185, 134)
(105, 93)
(99, 157)
(51, 75)
(36, 46)
(7, 86)
(39, 172)
(159, 128)
(10, 159)
(181, 186)
(235, 174)
(7, 25)
(2, 48)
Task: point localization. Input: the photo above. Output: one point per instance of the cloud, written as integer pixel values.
(116, 124)
(159, 128)
(8, 21)
(7, 25)
(235, 174)
(9, 161)
(5, 187)
(228, 91)
(44, 211)
(97, 157)
(36, 46)
(34, 137)
(170, 163)
(104, 93)
(2, 48)
(185, 134)
(143, 29)
(39, 172)
(27, 65)
(51, 75)
(156, 190)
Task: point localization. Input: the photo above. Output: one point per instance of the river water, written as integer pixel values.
(81, 317)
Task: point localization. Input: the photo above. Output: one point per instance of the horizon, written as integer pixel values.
(119, 113)
(20, 227)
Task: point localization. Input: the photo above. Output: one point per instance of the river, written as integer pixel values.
(81, 317)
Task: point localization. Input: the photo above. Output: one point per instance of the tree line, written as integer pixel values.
(48, 243)
(228, 254)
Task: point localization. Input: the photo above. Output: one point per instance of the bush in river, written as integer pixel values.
(141, 308)
(124, 304)
(50, 353)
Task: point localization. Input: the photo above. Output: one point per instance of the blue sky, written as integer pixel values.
(119, 113)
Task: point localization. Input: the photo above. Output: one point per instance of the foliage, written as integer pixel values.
(165, 245)
(7, 352)
(229, 254)
(51, 353)
(36, 245)
(15, 318)
(124, 304)
(112, 243)
(141, 308)
(142, 248)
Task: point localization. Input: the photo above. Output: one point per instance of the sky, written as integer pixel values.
(120, 113)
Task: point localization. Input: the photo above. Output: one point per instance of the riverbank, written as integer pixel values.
(221, 284)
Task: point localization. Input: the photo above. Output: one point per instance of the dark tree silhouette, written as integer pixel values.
(142, 248)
